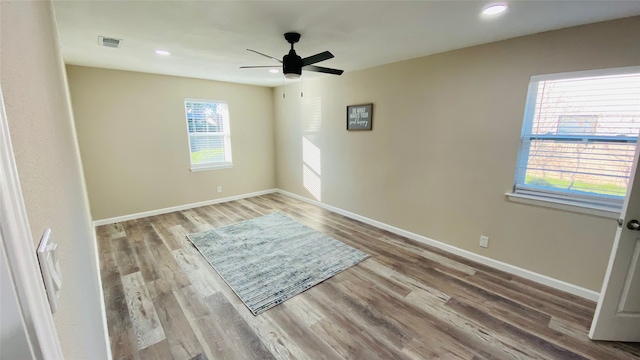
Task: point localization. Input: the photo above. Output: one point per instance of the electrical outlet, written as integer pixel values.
(484, 241)
(219, 188)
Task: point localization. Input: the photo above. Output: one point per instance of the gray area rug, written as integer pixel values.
(269, 259)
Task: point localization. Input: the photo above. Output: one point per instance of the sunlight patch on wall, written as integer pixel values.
(312, 182)
(311, 168)
(312, 114)
(311, 155)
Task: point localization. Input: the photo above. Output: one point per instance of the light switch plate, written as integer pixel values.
(50, 268)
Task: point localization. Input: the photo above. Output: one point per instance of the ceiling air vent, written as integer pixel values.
(109, 42)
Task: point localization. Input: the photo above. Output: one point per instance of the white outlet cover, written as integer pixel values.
(484, 241)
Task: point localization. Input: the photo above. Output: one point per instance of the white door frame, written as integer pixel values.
(21, 253)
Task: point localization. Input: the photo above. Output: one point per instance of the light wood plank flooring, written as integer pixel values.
(408, 301)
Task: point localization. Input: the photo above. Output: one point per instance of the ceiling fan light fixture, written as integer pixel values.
(292, 76)
(495, 9)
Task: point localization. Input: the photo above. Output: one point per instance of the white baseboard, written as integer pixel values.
(179, 208)
(527, 274)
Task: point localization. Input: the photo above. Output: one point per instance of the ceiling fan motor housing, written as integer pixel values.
(292, 63)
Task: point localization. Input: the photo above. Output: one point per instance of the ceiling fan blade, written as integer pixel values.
(317, 58)
(322, 69)
(265, 55)
(260, 66)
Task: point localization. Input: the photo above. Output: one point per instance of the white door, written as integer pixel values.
(617, 316)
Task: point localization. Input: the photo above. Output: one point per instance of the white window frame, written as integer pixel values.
(227, 163)
(603, 206)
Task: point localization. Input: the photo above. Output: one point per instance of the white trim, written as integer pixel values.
(198, 168)
(179, 208)
(564, 205)
(10, 297)
(587, 73)
(527, 274)
(205, 100)
(103, 306)
(18, 245)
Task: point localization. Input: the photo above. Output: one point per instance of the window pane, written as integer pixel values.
(206, 116)
(598, 168)
(605, 106)
(207, 149)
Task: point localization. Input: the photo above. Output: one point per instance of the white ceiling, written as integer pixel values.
(208, 39)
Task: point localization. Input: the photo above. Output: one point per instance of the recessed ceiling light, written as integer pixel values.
(274, 71)
(162, 52)
(495, 9)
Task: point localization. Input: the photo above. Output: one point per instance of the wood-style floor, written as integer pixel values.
(408, 301)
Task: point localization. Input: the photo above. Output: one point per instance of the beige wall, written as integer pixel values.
(443, 148)
(133, 140)
(35, 92)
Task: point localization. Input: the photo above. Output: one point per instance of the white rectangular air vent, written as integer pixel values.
(109, 42)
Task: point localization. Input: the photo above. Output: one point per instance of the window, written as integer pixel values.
(209, 135)
(579, 137)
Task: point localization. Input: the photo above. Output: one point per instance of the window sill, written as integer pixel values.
(604, 212)
(211, 167)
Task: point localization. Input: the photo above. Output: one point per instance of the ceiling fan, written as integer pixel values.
(292, 64)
